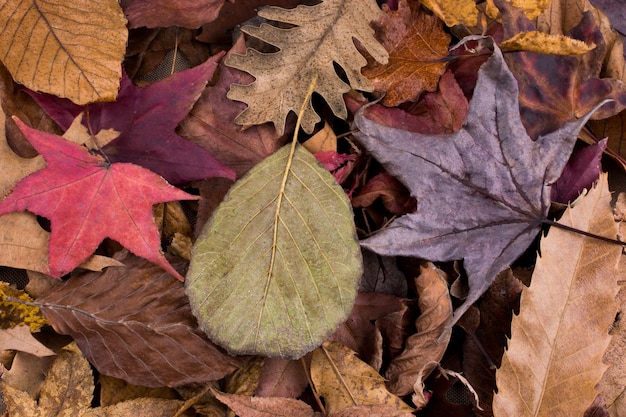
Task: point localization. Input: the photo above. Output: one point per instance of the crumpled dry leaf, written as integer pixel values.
(491, 168)
(345, 381)
(137, 307)
(72, 49)
(416, 44)
(324, 35)
(554, 358)
(424, 349)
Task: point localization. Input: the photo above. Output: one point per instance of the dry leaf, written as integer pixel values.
(343, 380)
(323, 141)
(324, 36)
(20, 338)
(246, 406)
(416, 44)
(454, 12)
(554, 358)
(542, 43)
(531, 8)
(424, 349)
(72, 49)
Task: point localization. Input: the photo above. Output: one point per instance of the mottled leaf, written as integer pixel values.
(120, 316)
(275, 270)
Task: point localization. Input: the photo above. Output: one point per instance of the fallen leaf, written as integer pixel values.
(165, 13)
(416, 44)
(581, 171)
(554, 357)
(114, 390)
(345, 381)
(282, 378)
(246, 406)
(118, 317)
(338, 164)
(370, 410)
(491, 168)
(531, 8)
(87, 199)
(553, 89)
(543, 43)
(72, 49)
(424, 349)
(323, 36)
(210, 123)
(393, 194)
(323, 141)
(20, 338)
(18, 313)
(286, 218)
(454, 12)
(146, 119)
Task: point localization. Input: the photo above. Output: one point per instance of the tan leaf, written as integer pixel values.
(370, 410)
(246, 406)
(424, 349)
(554, 358)
(416, 42)
(324, 35)
(322, 141)
(454, 12)
(72, 49)
(20, 338)
(343, 380)
(114, 391)
(542, 43)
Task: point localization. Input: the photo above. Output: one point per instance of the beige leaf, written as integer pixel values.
(542, 43)
(343, 380)
(424, 349)
(322, 141)
(20, 338)
(324, 35)
(554, 358)
(72, 49)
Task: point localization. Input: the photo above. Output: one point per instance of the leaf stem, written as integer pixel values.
(581, 232)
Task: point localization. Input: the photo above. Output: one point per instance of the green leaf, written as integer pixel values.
(275, 270)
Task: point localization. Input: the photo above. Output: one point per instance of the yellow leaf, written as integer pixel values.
(346, 381)
(72, 49)
(323, 141)
(531, 8)
(542, 43)
(15, 313)
(454, 12)
(554, 358)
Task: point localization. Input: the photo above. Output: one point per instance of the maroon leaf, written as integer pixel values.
(165, 13)
(135, 323)
(87, 200)
(338, 164)
(482, 192)
(394, 195)
(282, 378)
(146, 119)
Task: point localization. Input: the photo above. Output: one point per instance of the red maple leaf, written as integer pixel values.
(146, 118)
(87, 199)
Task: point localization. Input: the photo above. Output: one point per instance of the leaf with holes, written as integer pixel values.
(275, 270)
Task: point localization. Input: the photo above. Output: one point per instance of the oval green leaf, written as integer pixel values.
(276, 268)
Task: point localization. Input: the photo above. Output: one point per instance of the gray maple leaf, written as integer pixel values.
(482, 192)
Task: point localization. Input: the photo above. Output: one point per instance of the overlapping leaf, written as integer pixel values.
(554, 358)
(72, 49)
(275, 269)
(323, 35)
(491, 168)
(166, 13)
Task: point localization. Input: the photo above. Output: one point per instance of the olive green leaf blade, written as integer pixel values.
(275, 270)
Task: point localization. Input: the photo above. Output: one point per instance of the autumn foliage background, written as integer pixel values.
(167, 249)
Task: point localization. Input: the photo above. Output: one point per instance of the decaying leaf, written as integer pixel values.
(14, 313)
(246, 406)
(554, 357)
(20, 338)
(343, 380)
(73, 49)
(324, 35)
(416, 44)
(424, 349)
(87, 199)
(490, 167)
(275, 270)
(543, 43)
(118, 318)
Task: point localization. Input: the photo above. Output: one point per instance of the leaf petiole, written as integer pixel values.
(581, 232)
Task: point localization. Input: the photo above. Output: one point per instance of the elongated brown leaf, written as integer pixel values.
(343, 380)
(246, 406)
(424, 349)
(325, 34)
(135, 323)
(72, 49)
(554, 358)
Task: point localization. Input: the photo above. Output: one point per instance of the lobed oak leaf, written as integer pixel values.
(554, 357)
(20, 338)
(88, 199)
(324, 35)
(416, 44)
(165, 13)
(118, 317)
(146, 119)
(482, 192)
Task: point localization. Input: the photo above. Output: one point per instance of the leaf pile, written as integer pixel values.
(172, 243)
